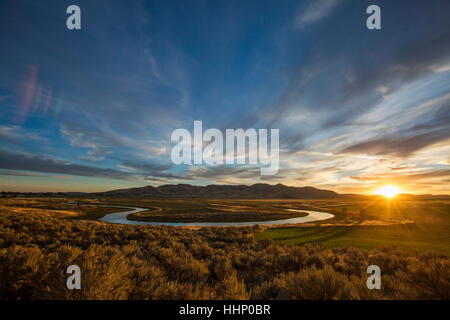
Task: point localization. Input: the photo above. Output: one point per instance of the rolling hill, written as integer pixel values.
(256, 191)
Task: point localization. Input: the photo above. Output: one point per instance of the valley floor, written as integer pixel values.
(40, 238)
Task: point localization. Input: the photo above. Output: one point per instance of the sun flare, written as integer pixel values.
(388, 191)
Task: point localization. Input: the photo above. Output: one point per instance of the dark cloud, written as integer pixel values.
(12, 161)
(21, 174)
(440, 119)
(405, 65)
(402, 146)
(147, 166)
(401, 168)
(153, 171)
(429, 174)
(146, 171)
(407, 177)
(405, 142)
(245, 174)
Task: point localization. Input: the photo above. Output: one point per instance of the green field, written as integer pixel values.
(430, 231)
(410, 237)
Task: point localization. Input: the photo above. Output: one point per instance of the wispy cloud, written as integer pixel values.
(402, 146)
(17, 135)
(426, 131)
(315, 11)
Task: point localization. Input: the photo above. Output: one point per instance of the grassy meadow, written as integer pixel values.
(430, 229)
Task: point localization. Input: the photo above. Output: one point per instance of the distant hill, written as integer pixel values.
(256, 191)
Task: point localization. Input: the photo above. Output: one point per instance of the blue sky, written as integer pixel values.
(93, 109)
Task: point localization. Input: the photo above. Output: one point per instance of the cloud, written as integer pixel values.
(34, 163)
(315, 11)
(154, 150)
(99, 142)
(403, 143)
(405, 178)
(440, 119)
(146, 166)
(402, 147)
(15, 161)
(408, 63)
(345, 99)
(16, 135)
(373, 82)
(223, 173)
(21, 174)
(330, 95)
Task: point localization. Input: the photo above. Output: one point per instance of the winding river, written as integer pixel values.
(121, 217)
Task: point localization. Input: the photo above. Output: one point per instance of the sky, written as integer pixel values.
(94, 109)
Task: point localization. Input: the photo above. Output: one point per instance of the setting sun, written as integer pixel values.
(388, 191)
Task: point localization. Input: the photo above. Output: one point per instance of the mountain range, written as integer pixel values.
(256, 191)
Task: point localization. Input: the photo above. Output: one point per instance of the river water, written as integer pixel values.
(121, 217)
